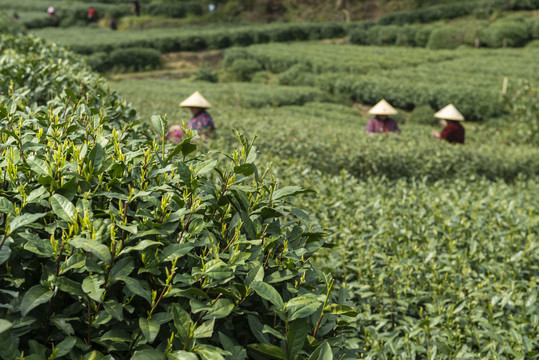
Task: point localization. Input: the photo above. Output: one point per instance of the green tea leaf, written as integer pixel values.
(122, 268)
(6, 206)
(63, 208)
(96, 157)
(255, 274)
(205, 167)
(116, 335)
(65, 346)
(205, 330)
(158, 124)
(9, 344)
(140, 246)
(269, 330)
(531, 300)
(245, 169)
(69, 189)
(63, 325)
(338, 309)
(38, 166)
(271, 351)
(322, 352)
(182, 320)
(101, 251)
(136, 287)
(37, 194)
(91, 285)
(133, 229)
(289, 191)
(5, 251)
(181, 355)
(114, 309)
(209, 352)
(174, 251)
(162, 318)
(300, 312)
(23, 220)
(5, 325)
(68, 286)
(268, 292)
(148, 354)
(218, 270)
(35, 296)
(149, 329)
(221, 309)
(297, 334)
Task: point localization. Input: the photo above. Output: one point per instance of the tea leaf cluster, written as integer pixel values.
(116, 244)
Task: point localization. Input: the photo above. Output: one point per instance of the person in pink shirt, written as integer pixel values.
(381, 122)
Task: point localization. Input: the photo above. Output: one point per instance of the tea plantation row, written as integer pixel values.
(441, 270)
(331, 137)
(115, 244)
(469, 78)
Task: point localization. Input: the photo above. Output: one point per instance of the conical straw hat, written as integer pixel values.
(195, 100)
(449, 112)
(382, 108)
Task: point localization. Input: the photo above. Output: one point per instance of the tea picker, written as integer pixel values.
(451, 119)
(381, 122)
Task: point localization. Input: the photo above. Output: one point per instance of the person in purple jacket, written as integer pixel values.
(201, 120)
(381, 122)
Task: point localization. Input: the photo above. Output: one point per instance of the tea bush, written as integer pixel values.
(123, 60)
(422, 35)
(86, 40)
(455, 35)
(36, 20)
(359, 37)
(9, 25)
(422, 114)
(117, 245)
(135, 58)
(533, 26)
(383, 35)
(298, 74)
(173, 9)
(407, 35)
(243, 69)
(506, 33)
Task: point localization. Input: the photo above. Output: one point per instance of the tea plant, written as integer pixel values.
(116, 244)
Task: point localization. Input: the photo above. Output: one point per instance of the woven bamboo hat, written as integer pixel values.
(195, 100)
(449, 112)
(382, 108)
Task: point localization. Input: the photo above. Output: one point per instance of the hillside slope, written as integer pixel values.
(313, 10)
